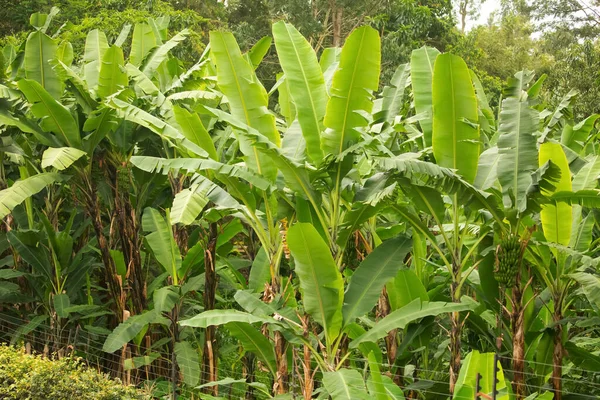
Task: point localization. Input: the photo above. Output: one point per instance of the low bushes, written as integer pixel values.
(24, 376)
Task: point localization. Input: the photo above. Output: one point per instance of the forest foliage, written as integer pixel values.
(278, 199)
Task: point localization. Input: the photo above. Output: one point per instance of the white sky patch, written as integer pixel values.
(486, 10)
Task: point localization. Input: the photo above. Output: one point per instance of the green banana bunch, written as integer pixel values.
(508, 260)
(123, 179)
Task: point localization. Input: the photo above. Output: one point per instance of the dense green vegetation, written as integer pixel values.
(371, 205)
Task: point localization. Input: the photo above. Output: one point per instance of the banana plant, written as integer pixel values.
(324, 299)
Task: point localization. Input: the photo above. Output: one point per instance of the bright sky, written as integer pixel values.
(487, 8)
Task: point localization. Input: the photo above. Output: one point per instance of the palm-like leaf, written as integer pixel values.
(61, 158)
(306, 84)
(455, 137)
(54, 116)
(159, 54)
(351, 90)
(22, 190)
(40, 52)
(517, 143)
(421, 72)
(112, 76)
(247, 98)
(557, 218)
(321, 283)
(96, 45)
(409, 313)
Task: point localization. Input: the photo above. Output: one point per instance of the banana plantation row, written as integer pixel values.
(188, 231)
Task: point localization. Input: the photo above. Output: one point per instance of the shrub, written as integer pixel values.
(24, 376)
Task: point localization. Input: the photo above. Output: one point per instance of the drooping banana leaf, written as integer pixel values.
(409, 313)
(188, 362)
(54, 116)
(61, 158)
(255, 342)
(24, 189)
(371, 275)
(159, 54)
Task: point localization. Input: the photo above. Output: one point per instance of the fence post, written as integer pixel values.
(478, 386)
(495, 380)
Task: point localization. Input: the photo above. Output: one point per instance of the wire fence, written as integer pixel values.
(102, 361)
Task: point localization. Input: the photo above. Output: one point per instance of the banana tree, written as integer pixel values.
(323, 296)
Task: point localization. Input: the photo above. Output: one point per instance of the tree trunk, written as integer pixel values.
(280, 385)
(209, 359)
(248, 366)
(463, 8)
(128, 229)
(518, 336)
(309, 383)
(557, 355)
(336, 19)
(113, 281)
(455, 330)
(175, 339)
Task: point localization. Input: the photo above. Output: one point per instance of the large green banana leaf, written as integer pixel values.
(222, 317)
(156, 125)
(54, 116)
(393, 96)
(40, 52)
(142, 42)
(557, 218)
(455, 138)
(321, 283)
(112, 74)
(96, 45)
(254, 341)
(61, 158)
(161, 242)
(405, 288)
(371, 275)
(409, 313)
(421, 73)
(23, 189)
(159, 54)
(351, 90)
(188, 362)
(193, 129)
(517, 144)
(130, 328)
(258, 52)
(306, 84)
(345, 384)
(247, 98)
(483, 364)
